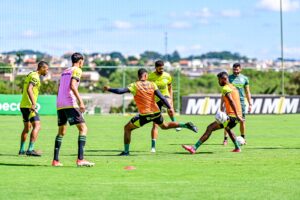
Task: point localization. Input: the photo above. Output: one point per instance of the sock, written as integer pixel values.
(182, 125)
(243, 136)
(197, 145)
(153, 143)
(126, 148)
(173, 119)
(225, 138)
(58, 141)
(236, 145)
(81, 144)
(31, 145)
(22, 147)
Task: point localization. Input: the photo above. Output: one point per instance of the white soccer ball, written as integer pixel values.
(221, 117)
(240, 140)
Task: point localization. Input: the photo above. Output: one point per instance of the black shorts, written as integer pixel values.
(29, 115)
(72, 115)
(140, 120)
(230, 123)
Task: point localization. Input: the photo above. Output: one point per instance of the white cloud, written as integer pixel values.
(274, 5)
(203, 13)
(122, 24)
(29, 34)
(230, 13)
(180, 25)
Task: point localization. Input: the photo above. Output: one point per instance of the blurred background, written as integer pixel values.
(196, 39)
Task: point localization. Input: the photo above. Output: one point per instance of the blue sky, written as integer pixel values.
(250, 27)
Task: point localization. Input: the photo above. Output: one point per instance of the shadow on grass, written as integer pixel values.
(107, 150)
(12, 155)
(22, 165)
(186, 153)
(102, 155)
(202, 144)
(273, 148)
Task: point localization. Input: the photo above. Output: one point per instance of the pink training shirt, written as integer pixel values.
(66, 97)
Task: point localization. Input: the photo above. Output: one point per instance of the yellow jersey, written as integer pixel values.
(162, 81)
(34, 79)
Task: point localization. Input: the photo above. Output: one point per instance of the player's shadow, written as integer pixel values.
(102, 150)
(273, 148)
(22, 165)
(186, 153)
(214, 144)
(12, 155)
(90, 153)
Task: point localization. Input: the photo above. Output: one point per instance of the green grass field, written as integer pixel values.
(267, 168)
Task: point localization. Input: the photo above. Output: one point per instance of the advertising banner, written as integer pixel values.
(204, 105)
(10, 104)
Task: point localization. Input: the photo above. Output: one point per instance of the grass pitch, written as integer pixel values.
(267, 168)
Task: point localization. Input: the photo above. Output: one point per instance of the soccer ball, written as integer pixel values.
(240, 140)
(221, 117)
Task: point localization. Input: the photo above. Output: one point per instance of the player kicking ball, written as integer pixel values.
(144, 93)
(231, 99)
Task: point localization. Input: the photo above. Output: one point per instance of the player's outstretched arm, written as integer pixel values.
(116, 90)
(162, 98)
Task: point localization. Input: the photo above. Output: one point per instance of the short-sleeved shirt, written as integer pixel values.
(144, 97)
(66, 97)
(229, 88)
(240, 82)
(162, 81)
(34, 79)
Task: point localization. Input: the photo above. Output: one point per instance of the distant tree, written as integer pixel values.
(151, 55)
(5, 88)
(223, 55)
(132, 58)
(48, 87)
(5, 68)
(116, 78)
(175, 57)
(106, 72)
(117, 55)
(19, 55)
(293, 88)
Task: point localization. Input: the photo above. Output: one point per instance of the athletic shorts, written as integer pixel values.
(140, 120)
(29, 115)
(161, 104)
(72, 115)
(230, 123)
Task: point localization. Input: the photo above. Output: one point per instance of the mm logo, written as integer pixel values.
(261, 105)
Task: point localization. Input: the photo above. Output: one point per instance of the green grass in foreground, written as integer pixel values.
(268, 167)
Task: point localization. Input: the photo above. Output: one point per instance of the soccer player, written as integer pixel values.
(144, 93)
(30, 115)
(163, 80)
(241, 82)
(231, 99)
(68, 110)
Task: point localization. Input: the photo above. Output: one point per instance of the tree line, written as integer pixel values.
(260, 83)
